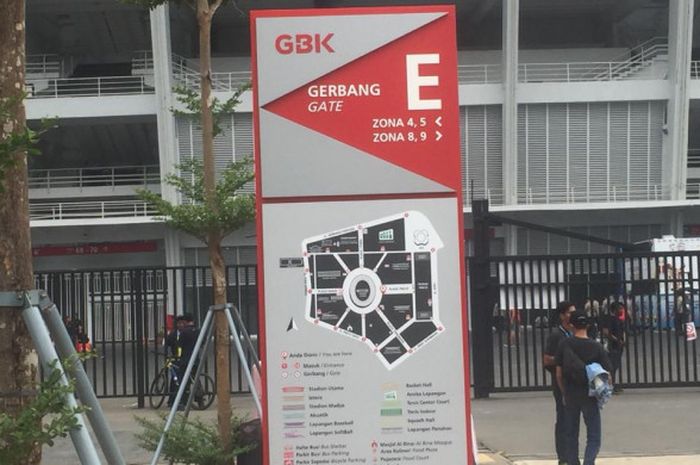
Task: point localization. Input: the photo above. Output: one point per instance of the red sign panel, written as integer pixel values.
(95, 249)
(396, 103)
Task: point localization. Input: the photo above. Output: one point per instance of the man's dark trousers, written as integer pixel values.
(591, 416)
(560, 427)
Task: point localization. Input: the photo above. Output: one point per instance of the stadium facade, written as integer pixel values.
(573, 113)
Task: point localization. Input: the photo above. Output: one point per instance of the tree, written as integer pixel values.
(18, 363)
(210, 198)
(21, 433)
(194, 442)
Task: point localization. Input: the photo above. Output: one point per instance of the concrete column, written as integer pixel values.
(677, 223)
(509, 66)
(167, 144)
(511, 239)
(174, 257)
(676, 141)
(162, 76)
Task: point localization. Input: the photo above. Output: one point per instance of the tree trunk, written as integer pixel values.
(18, 361)
(205, 13)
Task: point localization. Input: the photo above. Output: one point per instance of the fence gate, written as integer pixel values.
(127, 313)
(514, 311)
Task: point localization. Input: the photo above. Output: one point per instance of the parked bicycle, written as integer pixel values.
(160, 387)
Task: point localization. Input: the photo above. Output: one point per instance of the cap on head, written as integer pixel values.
(579, 319)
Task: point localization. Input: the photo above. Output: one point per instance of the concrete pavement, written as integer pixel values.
(663, 460)
(120, 416)
(640, 427)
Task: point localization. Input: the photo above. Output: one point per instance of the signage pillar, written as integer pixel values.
(360, 236)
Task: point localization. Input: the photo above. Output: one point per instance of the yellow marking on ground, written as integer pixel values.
(483, 458)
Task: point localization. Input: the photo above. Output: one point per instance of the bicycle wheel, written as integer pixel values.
(159, 389)
(203, 392)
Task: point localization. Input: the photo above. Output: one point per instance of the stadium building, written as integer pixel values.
(573, 113)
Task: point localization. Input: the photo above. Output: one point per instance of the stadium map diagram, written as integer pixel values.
(376, 282)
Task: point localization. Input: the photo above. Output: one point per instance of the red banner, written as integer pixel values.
(95, 248)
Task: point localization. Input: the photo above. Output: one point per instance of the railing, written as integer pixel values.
(89, 210)
(82, 178)
(625, 66)
(585, 71)
(648, 49)
(692, 191)
(189, 77)
(693, 158)
(224, 82)
(495, 196)
(629, 193)
(479, 74)
(142, 60)
(695, 70)
(88, 86)
(43, 64)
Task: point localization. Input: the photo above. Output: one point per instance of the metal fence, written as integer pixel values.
(127, 314)
(514, 310)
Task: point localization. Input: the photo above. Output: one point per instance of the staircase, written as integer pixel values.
(186, 76)
(648, 60)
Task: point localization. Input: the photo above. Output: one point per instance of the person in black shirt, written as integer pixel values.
(562, 331)
(573, 355)
(180, 344)
(614, 332)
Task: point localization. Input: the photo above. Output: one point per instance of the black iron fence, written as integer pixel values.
(513, 309)
(127, 313)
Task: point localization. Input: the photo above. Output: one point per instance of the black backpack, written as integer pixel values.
(573, 368)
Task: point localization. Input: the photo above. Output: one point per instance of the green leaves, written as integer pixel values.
(193, 442)
(191, 100)
(234, 208)
(18, 434)
(14, 140)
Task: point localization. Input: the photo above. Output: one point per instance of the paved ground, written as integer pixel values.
(638, 423)
(640, 427)
(120, 415)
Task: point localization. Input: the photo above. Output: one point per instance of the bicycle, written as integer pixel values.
(159, 389)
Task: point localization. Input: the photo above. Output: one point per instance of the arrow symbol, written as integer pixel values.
(438, 121)
(438, 135)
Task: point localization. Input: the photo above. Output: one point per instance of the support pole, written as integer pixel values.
(82, 384)
(246, 336)
(481, 302)
(47, 356)
(181, 390)
(202, 356)
(244, 362)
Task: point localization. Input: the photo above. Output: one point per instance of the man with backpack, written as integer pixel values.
(573, 355)
(561, 332)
